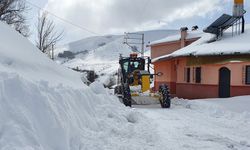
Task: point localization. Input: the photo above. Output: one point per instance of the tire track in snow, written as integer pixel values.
(183, 127)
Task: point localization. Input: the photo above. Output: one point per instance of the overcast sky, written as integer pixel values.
(118, 16)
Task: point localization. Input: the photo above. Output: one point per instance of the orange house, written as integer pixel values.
(196, 65)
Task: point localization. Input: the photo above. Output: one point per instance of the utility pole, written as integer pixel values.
(133, 40)
(142, 47)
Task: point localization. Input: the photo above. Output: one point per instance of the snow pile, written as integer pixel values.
(235, 104)
(45, 106)
(234, 107)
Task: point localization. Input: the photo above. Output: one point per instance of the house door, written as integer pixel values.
(224, 82)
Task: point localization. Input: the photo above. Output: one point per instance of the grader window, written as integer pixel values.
(125, 66)
(136, 64)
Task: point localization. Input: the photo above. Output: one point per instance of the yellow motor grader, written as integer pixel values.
(133, 86)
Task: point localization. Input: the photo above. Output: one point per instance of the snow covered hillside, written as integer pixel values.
(45, 106)
(102, 53)
(88, 43)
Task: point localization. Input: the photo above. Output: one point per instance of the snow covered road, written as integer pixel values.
(199, 125)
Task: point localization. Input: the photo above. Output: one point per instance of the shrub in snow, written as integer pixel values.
(67, 54)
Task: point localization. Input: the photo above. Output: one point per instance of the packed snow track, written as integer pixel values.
(192, 125)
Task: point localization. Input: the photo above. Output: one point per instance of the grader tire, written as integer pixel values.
(165, 98)
(127, 100)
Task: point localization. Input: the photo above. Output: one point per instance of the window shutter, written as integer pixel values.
(247, 74)
(244, 75)
(185, 74)
(193, 74)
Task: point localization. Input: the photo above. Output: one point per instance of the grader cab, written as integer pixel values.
(134, 83)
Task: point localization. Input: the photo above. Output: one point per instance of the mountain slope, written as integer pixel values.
(89, 43)
(104, 59)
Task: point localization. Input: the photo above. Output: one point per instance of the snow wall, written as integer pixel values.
(45, 106)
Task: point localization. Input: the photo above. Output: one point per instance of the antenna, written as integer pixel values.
(133, 40)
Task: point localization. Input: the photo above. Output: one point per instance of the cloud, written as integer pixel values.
(110, 16)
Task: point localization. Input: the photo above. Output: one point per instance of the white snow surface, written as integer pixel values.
(177, 37)
(227, 45)
(89, 43)
(17, 55)
(45, 106)
(205, 124)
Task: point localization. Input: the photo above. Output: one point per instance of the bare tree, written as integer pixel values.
(12, 12)
(47, 34)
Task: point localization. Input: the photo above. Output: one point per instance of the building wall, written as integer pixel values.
(169, 47)
(196, 91)
(167, 68)
(208, 88)
(210, 72)
(164, 49)
(174, 75)
(240, 90)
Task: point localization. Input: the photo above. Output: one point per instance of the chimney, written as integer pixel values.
(195, 28)
(184, 31)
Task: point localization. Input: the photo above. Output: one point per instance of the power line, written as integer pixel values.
(143, 12)
(144, 8)
(62, 19)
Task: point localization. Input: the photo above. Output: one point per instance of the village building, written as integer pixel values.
(198, 65)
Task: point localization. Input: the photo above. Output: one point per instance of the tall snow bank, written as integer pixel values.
(18, 55)
(44, 106)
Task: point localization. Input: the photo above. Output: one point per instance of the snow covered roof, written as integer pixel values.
(177, 37)
(227, 45)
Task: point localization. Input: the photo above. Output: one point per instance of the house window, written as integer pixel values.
(198, 75)
(247, 74)
(187, 75)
